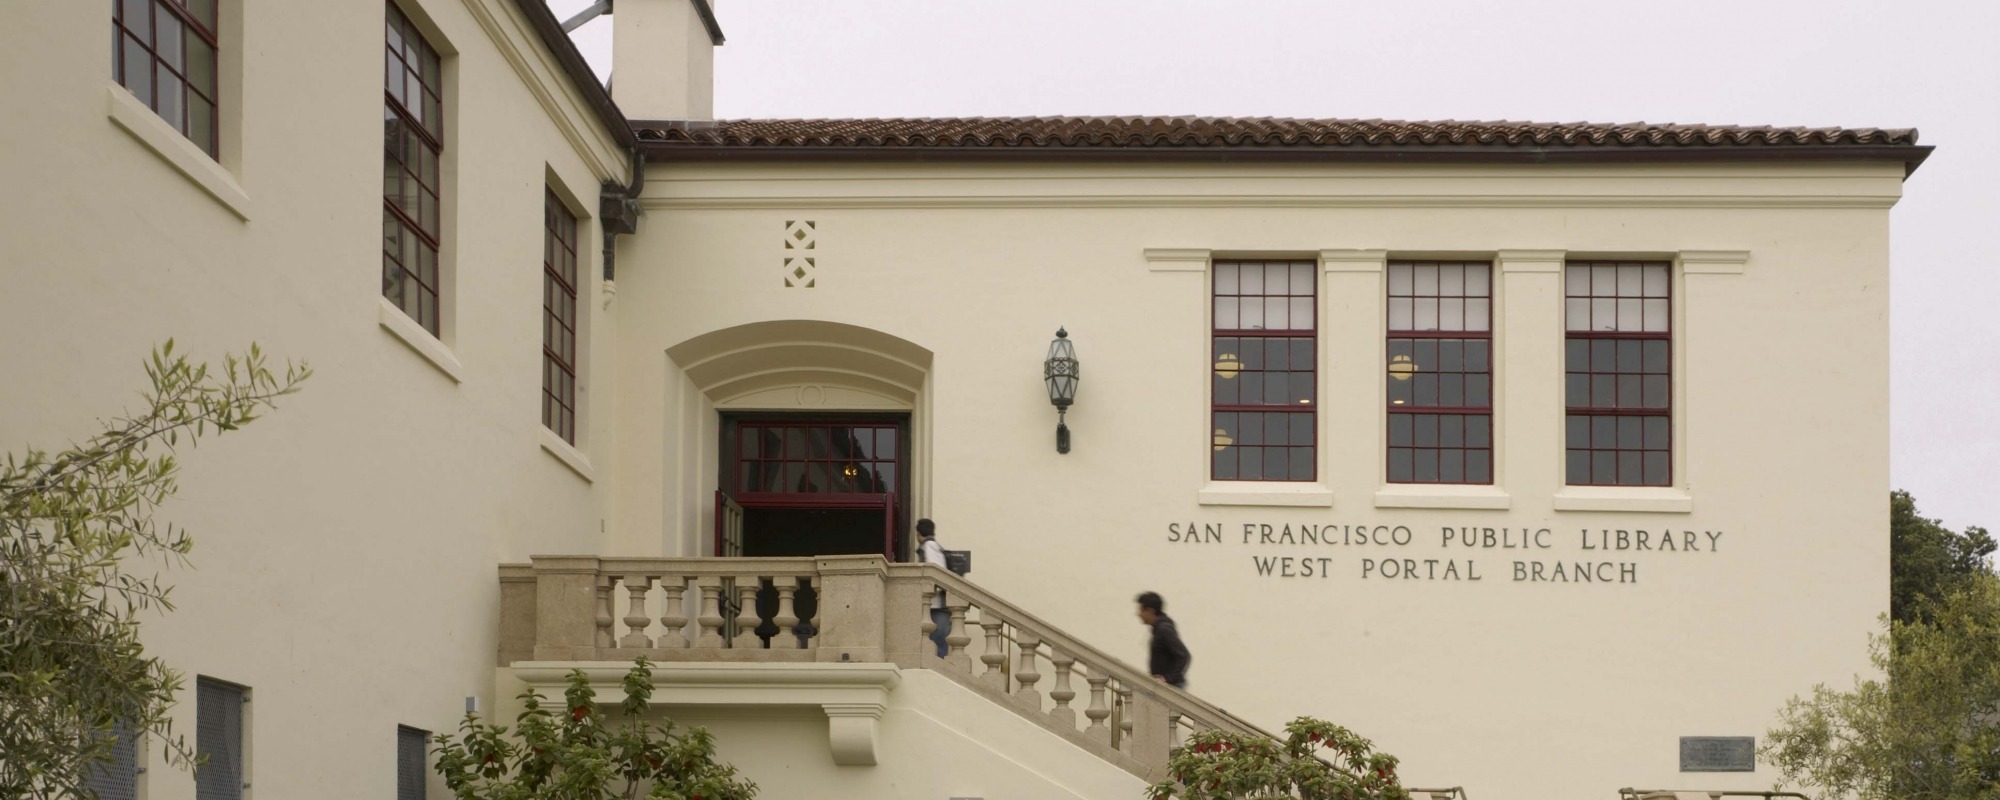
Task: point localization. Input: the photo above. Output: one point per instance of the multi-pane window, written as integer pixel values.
(410, 762)
(412, 139)
(218, 739)
(1619, 381)
(1440, 351)
(1264, 384)
(164, 51)
(816, 458)
(559, 279)
(118, 777)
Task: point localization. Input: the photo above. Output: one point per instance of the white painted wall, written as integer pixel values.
(1509, 688)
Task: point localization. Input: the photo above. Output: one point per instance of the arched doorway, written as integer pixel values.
(819, 436)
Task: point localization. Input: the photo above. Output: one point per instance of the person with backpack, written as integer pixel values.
(1168, 658)
(930, 552)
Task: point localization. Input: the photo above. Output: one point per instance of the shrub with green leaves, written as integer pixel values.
(575, 753)
(1317, 760)
(74, 523)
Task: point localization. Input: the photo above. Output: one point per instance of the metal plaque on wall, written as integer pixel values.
(1718, 754)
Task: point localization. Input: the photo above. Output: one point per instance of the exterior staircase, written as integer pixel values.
(836, 632)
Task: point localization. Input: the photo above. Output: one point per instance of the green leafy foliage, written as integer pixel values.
(574, 753)
(1930, 731)
(72, 523)
(1929, 561)
(1317, 760)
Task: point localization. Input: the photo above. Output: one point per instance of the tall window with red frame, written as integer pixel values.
(559, 280)
(1440, 353)
(1264, 381)
(164, 52)
(413, 140)
(1619, 382)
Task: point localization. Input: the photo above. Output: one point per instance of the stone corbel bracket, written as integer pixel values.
(853, 696)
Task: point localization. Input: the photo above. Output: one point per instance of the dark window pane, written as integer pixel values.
(1277, 428)
(1250, 463)
(1629, 433)
(1631, 471)
(1657, 473)
(1656, 391)
(1578, 431)
(818, 478)
(1302, 355)
(1427, 466)
(1576, 392)
(1628, 355)
(1401, 392)
(1657, 357)
(1451, 466)
(1578, 469)
(1277, 462)
(1302, 388)
(1603, 433)
(886, 471)
(1252, 353)
(1426, 355)
(1302, 463)
(1451, 430)
(1426, 389)
(1222, 465)
(1576, 355)
(1400, 430)
(1628, 391)
(1451, 356)
(885, 443)
(1478, 430)
(139, 71)
(1604, 391)
(1402, 467)
(1224, 388)
(1604, 468)
(1426, 429)
(1476, 352)
(1302, 429)
(1657, 430)
(1277, 387)
(1251, 431)
(1277, 354)
(1251, 389)
(1604, 355)
(1451, 390)
(1478, 466)
(168, 40)
(1478, 390)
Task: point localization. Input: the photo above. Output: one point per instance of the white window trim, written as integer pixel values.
(394, 320)
(569, 456)
(173, 147)
(1260, 493)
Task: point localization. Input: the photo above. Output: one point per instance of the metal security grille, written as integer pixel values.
(117, 779)
(410, 762)
(218, 737)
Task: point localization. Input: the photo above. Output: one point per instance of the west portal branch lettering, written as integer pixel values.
(1469, 554)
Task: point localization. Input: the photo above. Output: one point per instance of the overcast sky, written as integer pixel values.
(1934, 66)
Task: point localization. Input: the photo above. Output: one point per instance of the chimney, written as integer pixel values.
(663, 59)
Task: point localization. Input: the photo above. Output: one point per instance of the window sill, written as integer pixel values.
(1245, 493)
(135, 118)
(395, 321)
(1418, 495)
(1655, 500)
(566, 453)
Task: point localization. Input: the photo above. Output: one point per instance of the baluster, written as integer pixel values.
(711, 612)
(1174, 736)
(1029, 643)
(787, 638)
(636, 618)
(746, 613)
(994, 655)
(819, 597)
(1098, 710)
(930, 625)
(1061, 693)
(1125, 719)
(605, 637)
(673, 618)
(958, 639)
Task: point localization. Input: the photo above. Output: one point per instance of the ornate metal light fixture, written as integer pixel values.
(1060, 372)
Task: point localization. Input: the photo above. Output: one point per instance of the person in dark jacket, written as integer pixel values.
(1169, 658)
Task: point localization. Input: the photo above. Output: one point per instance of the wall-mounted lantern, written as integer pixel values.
(1060, 373)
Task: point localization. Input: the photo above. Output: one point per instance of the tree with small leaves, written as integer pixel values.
(73, 525)
(1317, 760)
(578, 754)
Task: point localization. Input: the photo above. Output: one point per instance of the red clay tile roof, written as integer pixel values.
(1238, 132)
(1144, 137)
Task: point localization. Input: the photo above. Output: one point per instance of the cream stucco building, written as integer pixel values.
(1551, 457)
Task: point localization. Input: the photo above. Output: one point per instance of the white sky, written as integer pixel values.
(1930, 65)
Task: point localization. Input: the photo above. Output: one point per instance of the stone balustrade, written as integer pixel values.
(847, 609)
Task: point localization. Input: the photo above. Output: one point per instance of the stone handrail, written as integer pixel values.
(847, 609)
